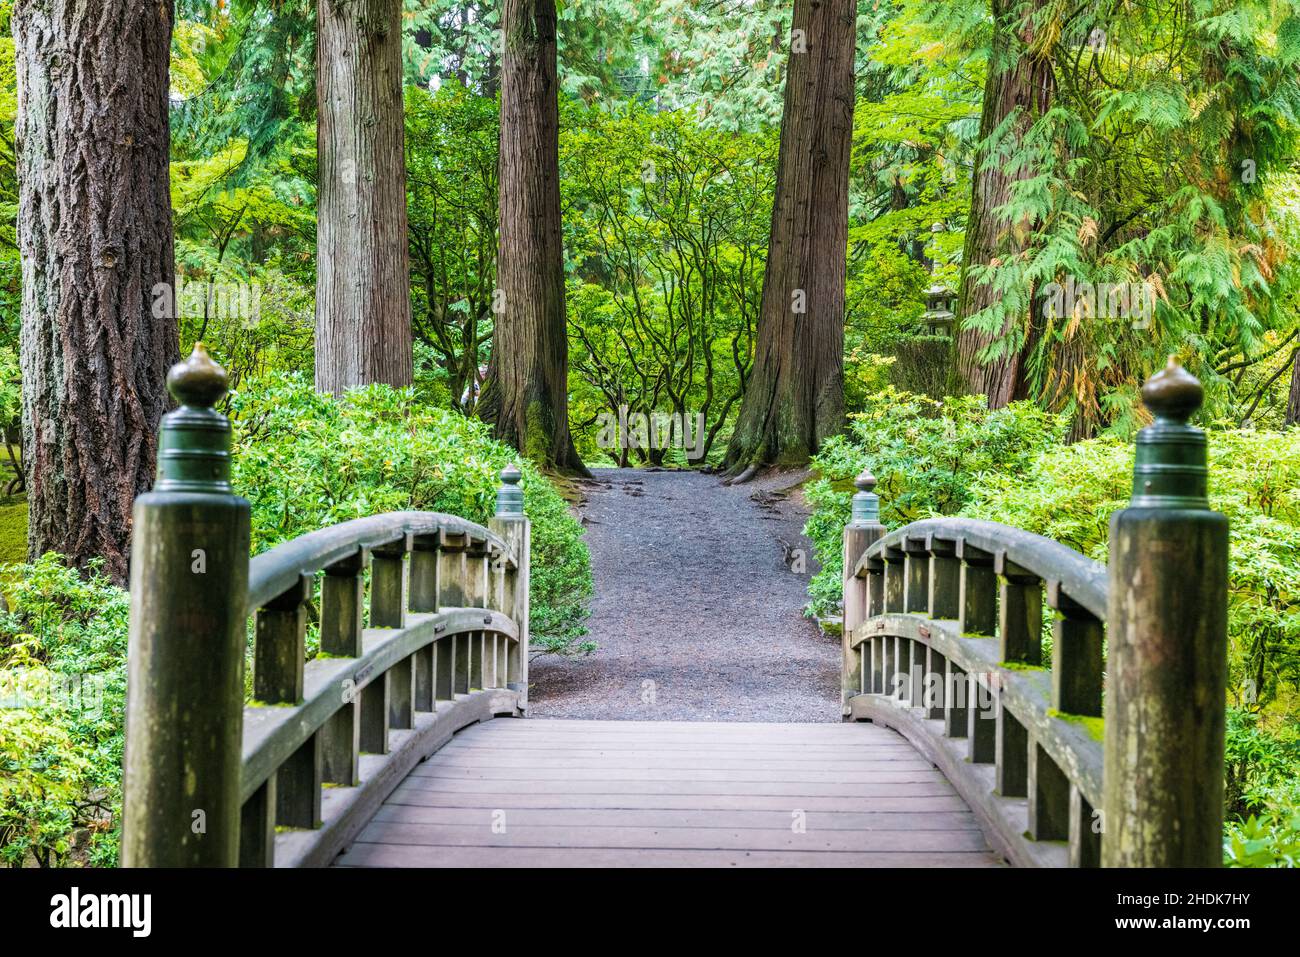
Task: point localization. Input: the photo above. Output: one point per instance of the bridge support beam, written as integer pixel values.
(512, 525)
(863, 531)
(1167, 668)
(189, 594)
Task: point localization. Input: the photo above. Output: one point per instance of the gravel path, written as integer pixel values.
(698, 612)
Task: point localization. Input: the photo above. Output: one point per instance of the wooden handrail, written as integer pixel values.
(944, 628)
(423, 630)
(273, 571)
(1080, 578)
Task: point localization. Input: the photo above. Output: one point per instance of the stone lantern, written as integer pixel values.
(940, 302)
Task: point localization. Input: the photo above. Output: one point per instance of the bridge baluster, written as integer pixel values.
(257, 827)
(189, 594)
(1077, 657)
(1020, 612)
(341, 745)
(895, 580)
(422, 580)
(956, 704)
(401, 694)
(476, 596)
(1049, 797)
(978, 592)
(945, 578)
(374, 707)
(981, 716)
(342, 605)
(298, 785)
(280, 645)
(388, 584)
(1085, 834)
(453, 573)
(1167, 668)
(1011, 755)
(423, 573)
(342, 609)
(916, 590)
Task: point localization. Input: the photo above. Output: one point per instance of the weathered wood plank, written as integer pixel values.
(438, 770)
(704, 838)
(776, 819)
(389, 855)
(934, 786)
(905, 801)
(541, 793)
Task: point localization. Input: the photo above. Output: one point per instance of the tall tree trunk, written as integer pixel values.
(363, 296)
(95, 232)
(526, 393)
(1293, 397)
(1021, 82)
(795, 396)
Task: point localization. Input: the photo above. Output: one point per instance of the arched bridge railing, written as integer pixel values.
(423, 629)
(1107, 749)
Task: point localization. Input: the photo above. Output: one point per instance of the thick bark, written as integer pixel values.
(1293, 398)
(95, 231)
(1024, 86)
(526, 393)
(795, 395)
(363, 302)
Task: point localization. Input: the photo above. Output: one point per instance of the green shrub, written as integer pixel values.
(1256, 762)
(306, 460)
(63, 655)
(1271, 838)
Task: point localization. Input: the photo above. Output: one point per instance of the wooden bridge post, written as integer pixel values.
(513, 526)
(185, 661)
(863, 531)
(1167, 627)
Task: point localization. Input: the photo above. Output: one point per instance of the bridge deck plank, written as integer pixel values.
(709, 794)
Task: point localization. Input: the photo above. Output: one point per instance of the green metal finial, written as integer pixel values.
(866, 504)
(194, 448)
(1170, 469)
(510, 497)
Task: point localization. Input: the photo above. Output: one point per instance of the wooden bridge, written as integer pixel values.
(962, 745)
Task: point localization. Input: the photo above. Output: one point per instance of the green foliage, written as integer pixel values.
(1257, 762)
(1164, 158)
(930, 458)
(306, 460)
(63, 657)
(13, 532)
(1069, 494)
(1271, 838)
(451, 205)
(666, 230)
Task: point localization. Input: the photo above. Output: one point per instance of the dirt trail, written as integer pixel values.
(697, 614)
